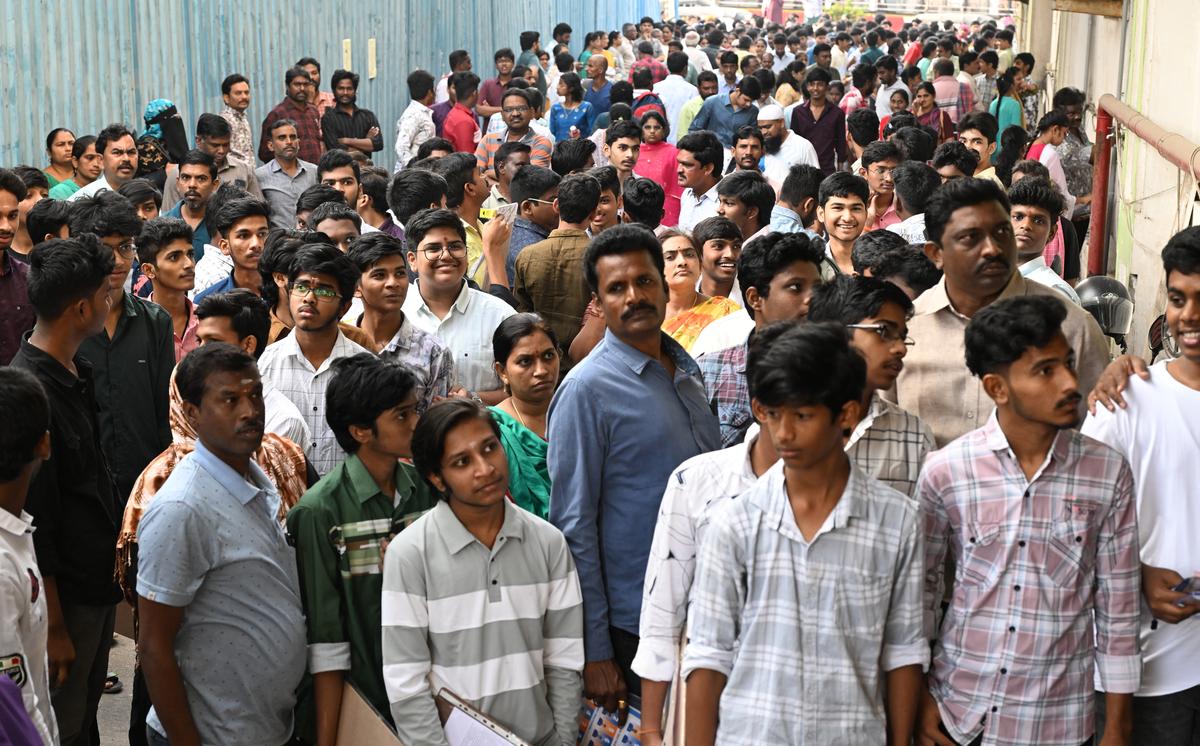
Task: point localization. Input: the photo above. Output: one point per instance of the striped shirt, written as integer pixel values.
(541, 146)
(805, 630)
(1046, 587)
(283, 364)
(501, 627)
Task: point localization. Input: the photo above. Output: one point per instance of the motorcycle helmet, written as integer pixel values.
(1108, 301)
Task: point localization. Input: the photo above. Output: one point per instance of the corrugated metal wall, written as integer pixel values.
(85, 63)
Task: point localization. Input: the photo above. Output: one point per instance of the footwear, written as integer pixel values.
(112, 684)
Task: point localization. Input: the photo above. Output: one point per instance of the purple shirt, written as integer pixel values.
(440, 112)
(16, 313)
(827, 134)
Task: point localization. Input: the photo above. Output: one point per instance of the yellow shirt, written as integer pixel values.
(476, 267)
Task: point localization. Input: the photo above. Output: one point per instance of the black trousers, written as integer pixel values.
(625, 645)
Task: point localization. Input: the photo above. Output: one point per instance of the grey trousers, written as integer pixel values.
(75, 702)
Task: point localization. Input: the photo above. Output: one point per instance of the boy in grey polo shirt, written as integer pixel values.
(222, 639)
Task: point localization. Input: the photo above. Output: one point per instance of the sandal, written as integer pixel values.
(112, 684)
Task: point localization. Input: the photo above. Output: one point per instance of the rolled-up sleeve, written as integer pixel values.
(904, 640)
(575, 460)
(718, 596)
(1118, 604)
(669, 575)
(317, 562)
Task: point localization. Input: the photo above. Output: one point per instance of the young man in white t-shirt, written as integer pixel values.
(1158, 431)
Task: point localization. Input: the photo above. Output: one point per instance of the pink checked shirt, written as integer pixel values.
(1038, 562)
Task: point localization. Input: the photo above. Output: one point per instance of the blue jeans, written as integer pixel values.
(1166, 720)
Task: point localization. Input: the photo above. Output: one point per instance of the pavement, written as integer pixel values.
(114, 708)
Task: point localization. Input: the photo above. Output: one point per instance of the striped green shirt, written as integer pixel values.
(340, 528)
(501, 627)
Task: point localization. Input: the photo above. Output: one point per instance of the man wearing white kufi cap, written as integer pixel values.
(783, 147)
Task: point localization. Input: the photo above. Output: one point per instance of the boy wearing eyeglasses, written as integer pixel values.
(321, 284)
(887, 443)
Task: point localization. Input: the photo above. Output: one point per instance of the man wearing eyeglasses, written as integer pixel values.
(117, 148)
(443, 304)
(321, 284)
(133, 355)
(887, 443)
(517, 114)
(879, 159)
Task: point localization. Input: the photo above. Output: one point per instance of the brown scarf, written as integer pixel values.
(281, 460)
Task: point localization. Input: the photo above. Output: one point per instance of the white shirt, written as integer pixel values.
(912, 228)
(693, 209)
(1035, 269)
(213, 267)
(697, 59)
(781, 61)
(1158, 432)
(23, 622)
(99, 185)
(467, 330)
(675, 92)
(441, 91)
(726, 331)
(286, 368)
(414, 127)
(794, 151)
(883, 98)
(283, 418)
(696, 491)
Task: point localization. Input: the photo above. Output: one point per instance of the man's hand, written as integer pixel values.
(60, 652)
(1113, 381)
(374, 131)
(604, 684)
(1167, 605)
(495, 235)
(652, 738)
(928, 721)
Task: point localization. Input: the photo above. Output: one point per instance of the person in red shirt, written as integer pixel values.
(461, 127)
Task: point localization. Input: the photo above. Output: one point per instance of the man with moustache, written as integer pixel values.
(347, 126)
(608, 460)
(296, 107)
(971, 240)
(285, 177)
(216, 572)
(198, 178)
(782, 147)
(118, 149)
(235, 92)
(1041, 523)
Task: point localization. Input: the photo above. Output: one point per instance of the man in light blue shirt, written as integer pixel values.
(222, 638)
(796, 207)
(623, 419)
(725, 113)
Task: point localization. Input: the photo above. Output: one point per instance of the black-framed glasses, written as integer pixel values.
(301, 289)
(515, 109)
(886, 332)
(456, 249)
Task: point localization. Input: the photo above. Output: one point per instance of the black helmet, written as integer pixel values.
(1108, 301)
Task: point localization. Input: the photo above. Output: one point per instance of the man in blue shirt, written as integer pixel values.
(726, 113)
(198, 180)
(599, 93)
(623, 419)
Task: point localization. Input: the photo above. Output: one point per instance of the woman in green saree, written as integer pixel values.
(527, 361)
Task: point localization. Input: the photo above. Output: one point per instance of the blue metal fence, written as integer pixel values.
(85, 63)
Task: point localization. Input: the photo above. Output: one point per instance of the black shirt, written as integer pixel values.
(133, 380)
(337, 123)
(72, 498)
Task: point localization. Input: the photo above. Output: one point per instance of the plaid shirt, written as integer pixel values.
(890, 445)
(308, 127)
(427, 356)
(805, 630)
(728, 394)
(986, 88)
(1039, 563)
(658, 71)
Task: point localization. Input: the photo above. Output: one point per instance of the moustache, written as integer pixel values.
(1071, 399)
(998, 262)
(635, 310)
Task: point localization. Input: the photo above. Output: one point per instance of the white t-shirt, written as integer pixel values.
(1159, 434)
(794, 151)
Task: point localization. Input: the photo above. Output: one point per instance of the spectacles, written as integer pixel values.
(886, 332)
(301, 289)
(541, 201)
(515, 109)
(456, 249)
(127, 249)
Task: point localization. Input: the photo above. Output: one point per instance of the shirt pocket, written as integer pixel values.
(982, 550)
(862, 603)
(1070, 548)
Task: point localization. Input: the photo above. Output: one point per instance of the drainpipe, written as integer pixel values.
(1174, 147)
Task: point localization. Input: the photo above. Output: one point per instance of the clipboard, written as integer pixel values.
(453, 706)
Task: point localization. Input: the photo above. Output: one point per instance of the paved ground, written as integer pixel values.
(114, 708)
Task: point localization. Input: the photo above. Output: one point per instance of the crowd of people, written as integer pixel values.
(734, 374)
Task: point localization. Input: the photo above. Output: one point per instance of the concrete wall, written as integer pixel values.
(1159, 75)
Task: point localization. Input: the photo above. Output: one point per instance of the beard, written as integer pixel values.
(772, 144)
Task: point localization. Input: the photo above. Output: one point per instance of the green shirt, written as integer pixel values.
(64, 189)
(340, 528)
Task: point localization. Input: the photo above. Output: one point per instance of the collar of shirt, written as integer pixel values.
(637, 360)
(49, 366)
(235, 484)
(458, 538)
(461, 303)
(233, 112)
(710, 194)
(773, 502)
(342, 347)
(402, 341)
(288, 103)
(459, 107)
(364, 485)
(418, 107)
(936, 298)
(996, 441)
(16, 525)
(567, 233)
(875, 409)
(1035, 263)
(275, 167)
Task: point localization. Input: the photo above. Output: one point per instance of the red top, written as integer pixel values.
(656, 161)
(461, 129)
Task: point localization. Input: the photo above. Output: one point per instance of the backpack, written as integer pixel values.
(648, 101)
